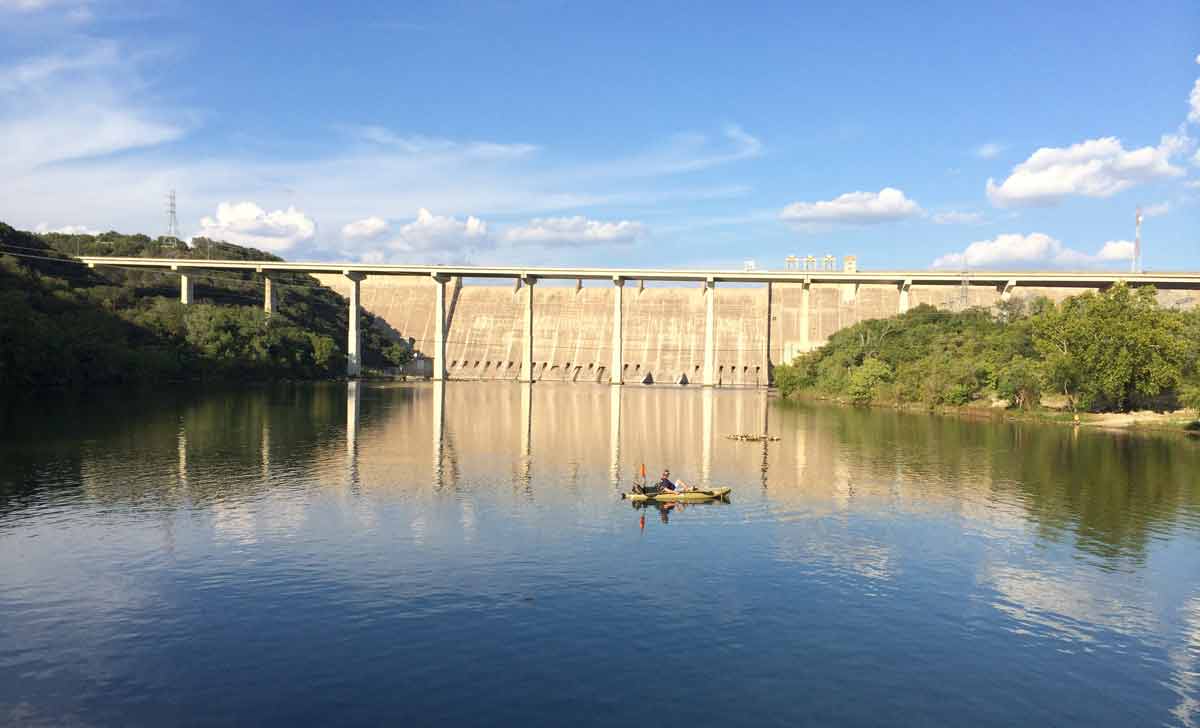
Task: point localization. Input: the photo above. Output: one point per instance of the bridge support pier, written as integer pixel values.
(905, 302)
(268, 296)
(186, 289)
(710, 333)
(616, 375)
(1006, 294)
(354, 336)
(527, 346)
(805, 342)
(766, 365)
(439, 328)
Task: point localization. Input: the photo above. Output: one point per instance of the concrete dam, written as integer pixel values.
(711, 327)
(664, 327)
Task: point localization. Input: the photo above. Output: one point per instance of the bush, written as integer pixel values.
(791, 378)
(1189, 397)
(1019, 383)
(865, 380)
(957, 395)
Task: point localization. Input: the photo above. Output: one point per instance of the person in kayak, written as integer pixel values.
(665, 484)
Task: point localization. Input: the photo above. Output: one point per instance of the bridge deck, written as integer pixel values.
(1176, 280)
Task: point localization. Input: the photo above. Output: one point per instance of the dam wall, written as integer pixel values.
(756, 327)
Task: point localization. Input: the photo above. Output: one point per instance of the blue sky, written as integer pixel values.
(987, 135)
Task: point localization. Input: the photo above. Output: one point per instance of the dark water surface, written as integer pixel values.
(414, 556)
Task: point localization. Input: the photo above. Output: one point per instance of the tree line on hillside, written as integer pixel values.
(1115, 350)
(63, 325)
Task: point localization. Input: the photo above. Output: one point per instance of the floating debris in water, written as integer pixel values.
(752, 438)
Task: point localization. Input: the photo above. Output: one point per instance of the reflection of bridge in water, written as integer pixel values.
(552, 443)
(654, 410)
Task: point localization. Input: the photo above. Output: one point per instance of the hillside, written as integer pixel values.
(64, 325)
(1112, 351)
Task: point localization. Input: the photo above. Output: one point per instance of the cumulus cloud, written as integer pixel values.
(431, 233)
(854, 207)
(245, 223)
(957, 217)
(1014, 250)
(1116, 250)
(576, 230)
(1094, 168)
(369, 228)
(988, 151)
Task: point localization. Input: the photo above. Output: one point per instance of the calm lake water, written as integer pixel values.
(416, 555)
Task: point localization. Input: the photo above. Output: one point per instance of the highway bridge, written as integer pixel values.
(890, 292)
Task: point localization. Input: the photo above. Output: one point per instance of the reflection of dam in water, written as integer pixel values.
(553, 443)
(611, 428)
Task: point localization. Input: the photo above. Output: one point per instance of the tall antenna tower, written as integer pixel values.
(1135, 265)
(172, 219)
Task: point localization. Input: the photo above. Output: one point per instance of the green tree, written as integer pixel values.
(398, 354)
(863, 385)
(1019, 382)
(1189, 397)
(1112, 350)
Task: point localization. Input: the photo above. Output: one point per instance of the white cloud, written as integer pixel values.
(369, 228)
(43, 228)
(78, 11)
(25, 5)
(854, 207)
(99, 129)
(957, 217)
(1194, 103)
(576, 230)
(1031, 251)
(74, 105)
(1156, 210)
(431, 233)
(1094, 168)
(1194, 100)
(245, 223)
(682, 154)
(988, 151)
(1118, 250)
(417, 144)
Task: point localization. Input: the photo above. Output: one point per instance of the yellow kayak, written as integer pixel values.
(668, 496)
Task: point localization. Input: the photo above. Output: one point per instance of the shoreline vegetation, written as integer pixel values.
(66, 327)
(1114, 359)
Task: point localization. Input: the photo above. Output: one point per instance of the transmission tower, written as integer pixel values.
(172, 219)
(1135, 265)
(964, 291)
